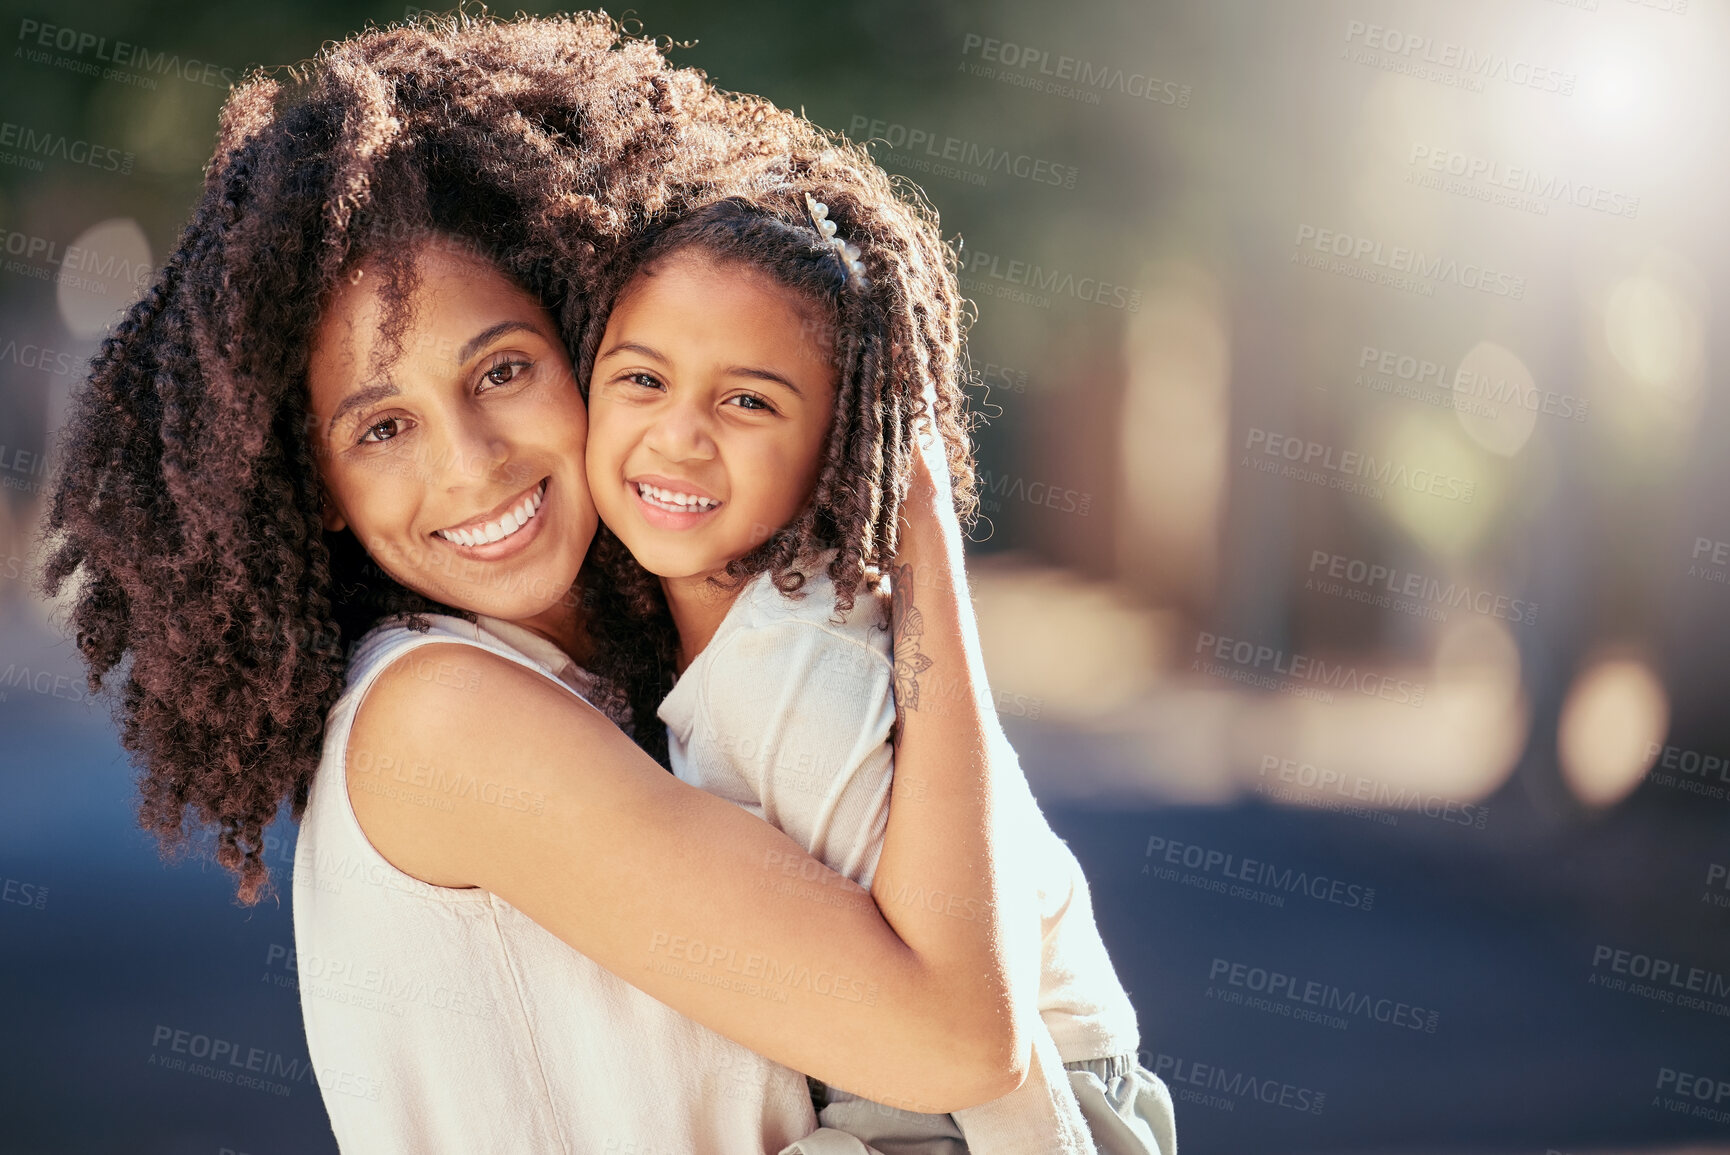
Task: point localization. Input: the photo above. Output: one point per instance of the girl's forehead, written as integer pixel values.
(725, 277)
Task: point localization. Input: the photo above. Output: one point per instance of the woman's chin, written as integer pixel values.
(524, 610)
(514, 597)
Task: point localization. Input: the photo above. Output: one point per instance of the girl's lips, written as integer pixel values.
(514, 543)
(662, 516)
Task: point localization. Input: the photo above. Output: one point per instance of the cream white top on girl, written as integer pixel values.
(444, 1020)
(787, 712)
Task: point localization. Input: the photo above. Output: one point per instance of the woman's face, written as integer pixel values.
(711, 405)
(458, 462)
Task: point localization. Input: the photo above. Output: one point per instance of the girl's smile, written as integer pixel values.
(670, 504)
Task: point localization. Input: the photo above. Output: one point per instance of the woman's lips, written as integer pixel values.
(517, 528)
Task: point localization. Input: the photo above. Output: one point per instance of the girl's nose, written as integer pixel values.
(681, 431)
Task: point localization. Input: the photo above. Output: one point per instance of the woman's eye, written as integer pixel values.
(381, 430)
(506, 372)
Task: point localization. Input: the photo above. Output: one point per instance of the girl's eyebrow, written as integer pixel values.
(754, 372)
(634, 347)
(760, 374)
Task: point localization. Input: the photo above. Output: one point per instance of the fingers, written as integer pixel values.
(932, 453)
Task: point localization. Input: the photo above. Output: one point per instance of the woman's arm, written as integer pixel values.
(702, 905)
(945, 792)
(686, 896)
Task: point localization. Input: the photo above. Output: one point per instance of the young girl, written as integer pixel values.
(323, 503)
(750, 396)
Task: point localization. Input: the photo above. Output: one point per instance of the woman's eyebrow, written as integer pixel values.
(388, 389)
(491, 332)
(358, 398)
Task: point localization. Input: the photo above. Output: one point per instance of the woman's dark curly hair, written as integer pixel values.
(889, 334)
(187, 514)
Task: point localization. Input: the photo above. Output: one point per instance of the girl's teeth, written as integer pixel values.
(681, 500)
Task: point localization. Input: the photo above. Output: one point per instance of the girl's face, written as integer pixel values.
(710, 405)
(459, 463)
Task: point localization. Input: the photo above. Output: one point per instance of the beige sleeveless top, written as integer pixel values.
(444, 1020)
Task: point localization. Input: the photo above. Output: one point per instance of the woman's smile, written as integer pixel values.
(500, 533)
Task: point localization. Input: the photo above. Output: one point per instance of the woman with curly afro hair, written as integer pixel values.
(322, 512)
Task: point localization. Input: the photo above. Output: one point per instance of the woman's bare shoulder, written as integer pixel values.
(453, 746)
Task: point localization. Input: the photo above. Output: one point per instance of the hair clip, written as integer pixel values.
(826, 228)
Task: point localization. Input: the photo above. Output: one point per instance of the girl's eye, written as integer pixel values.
(381, 430)
(506, 371)
(752, 402)
(646, 380)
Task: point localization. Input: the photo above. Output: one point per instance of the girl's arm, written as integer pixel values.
(704, 906)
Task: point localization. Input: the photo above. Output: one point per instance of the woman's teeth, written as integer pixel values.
(679, 502)
(509, 523)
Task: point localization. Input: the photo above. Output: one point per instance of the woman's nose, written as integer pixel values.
(472, 456)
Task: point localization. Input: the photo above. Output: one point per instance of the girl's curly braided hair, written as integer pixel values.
(875, 330)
